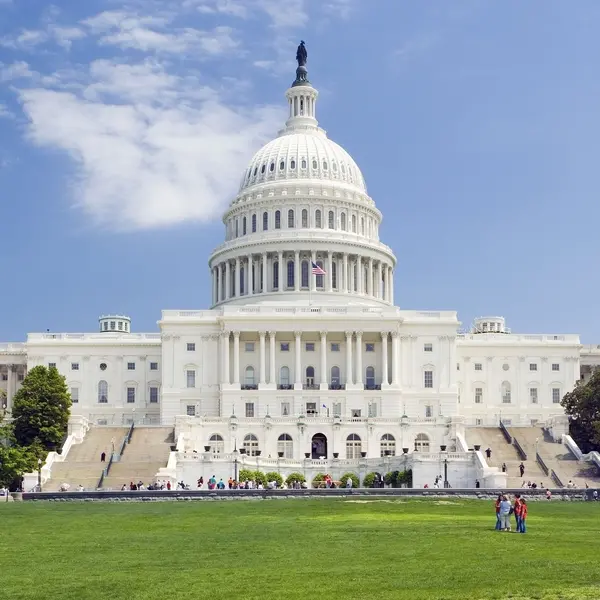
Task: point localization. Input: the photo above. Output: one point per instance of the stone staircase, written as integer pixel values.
(82, 465)
(556, 456)
(147, 452)
(503, 452)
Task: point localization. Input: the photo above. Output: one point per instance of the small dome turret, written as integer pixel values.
(489, 325)
(114, 323)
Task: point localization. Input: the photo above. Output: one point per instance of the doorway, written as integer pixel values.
(319, 446)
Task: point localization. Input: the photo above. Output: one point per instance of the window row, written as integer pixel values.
(130, 391)
(270, 168)
(241, 226)
(115, 326)
(103, 366)
(506, 394)
(532, 367)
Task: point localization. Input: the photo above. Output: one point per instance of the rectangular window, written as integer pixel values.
(356, 412)
(130, 366)
(191, 347)
(556, 395)
(285, 409)
(428, 379)
(52, 365)
(190, 410)
(249, 346)
(311, 409)
(74, 395)
(191, 379)
(120, 325)
(74, 366)
(532, 366)
(429, 412)
(130, 395)
(555, 367)
(370, 347)
(154, 366)
(335, 347)
(478, 395)
(249, 410)
(284, 346)
(428, 347)
(373, 410)
(112, 324)
(153, 395)
(337, 409)
(478, 367)
(533, 395)
(310, 347)
(478, 421)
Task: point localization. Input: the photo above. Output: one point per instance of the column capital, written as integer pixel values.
(349, 334)
(236, 334)
(384, 335)
(395, 334)
(323, 334)
(262, 333)
(358, 333)
(272, 334)
(298, 334)
(225, 333)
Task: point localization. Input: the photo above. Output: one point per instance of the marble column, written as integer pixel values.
(349, 378)
(250, 276)
(360, 278)
(378, 281)
(312, 278)
(265, 281)
(323, 360)
(359, 369)
(236, 357)
(395, 357)
(11, 385)
(329, 285)
(281, 271)
(272, 358)
(263, 357)
(297, 271)
(370, 278)
(391, 285)
(298, 360)
(384, 359)
(225, 374)
(227, 280)
(345, 287)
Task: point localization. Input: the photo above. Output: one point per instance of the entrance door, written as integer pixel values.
(319, 446)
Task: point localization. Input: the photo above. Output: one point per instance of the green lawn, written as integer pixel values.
(296, 549)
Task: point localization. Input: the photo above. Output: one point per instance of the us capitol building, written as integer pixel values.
(303, 353)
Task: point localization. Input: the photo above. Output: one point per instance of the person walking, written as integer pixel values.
(103, 457)
(522, 469)
(498, 501)
(523, 517)
(488, 453)
(505, 514)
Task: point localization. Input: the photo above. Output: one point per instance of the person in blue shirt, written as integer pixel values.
(505, 514)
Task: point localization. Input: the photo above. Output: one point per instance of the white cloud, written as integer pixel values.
(29, 39)
(234, 8)
(4, 112)
(16, 70)
(160, 154)
(291, 13)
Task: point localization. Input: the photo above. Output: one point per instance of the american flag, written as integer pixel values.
(317, 270)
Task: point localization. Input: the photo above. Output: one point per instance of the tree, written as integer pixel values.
(15, 461)
(583, 407)
(41, 409)
(295, 478)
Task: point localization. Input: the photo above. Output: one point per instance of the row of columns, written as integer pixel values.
(11, 388)
(350, 275)
(351, 378)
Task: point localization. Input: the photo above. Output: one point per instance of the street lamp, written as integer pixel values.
(39, 474)
(446, 485)
(235, 461)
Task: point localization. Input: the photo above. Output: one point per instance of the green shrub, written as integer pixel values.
(317, 479)
(369, 480)
(245, 475)
(353, 476)
(293, 477)
(398, 478)
(274, 476)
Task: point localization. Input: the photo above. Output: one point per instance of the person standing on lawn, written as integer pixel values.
(522, 528)
(505, 514)
(498, 501)
(517, 510)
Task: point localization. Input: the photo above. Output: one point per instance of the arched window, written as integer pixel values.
(353, 223)
(277, 219)
(422, 443)
(284, 376)
(292, 164)
(370, 377)
(334, 166)
(343, 221)
(320, 278)
(303, 163)
(276, 275)
(315, 164)
(281, 165)
(255, 170)
(242, 281)
(353, 446)
(216, 443)
(251, 444)
(244, 226)
(304, 273)
(265, 221)
(331, 220)
(334, 274)
(388, 445)
(272, 167)
(318, 223)
(304, 218)
(249, 376)
(254, 223)
(102, 392)
(310, 376)
(335, 375)
(290, 218)
(290, 274)
(262, 169)
(285, 444)
(506, 396)
(324, 165)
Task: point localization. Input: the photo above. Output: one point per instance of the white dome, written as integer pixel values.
(306, 155)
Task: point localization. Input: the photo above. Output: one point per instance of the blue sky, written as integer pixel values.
(125, 127)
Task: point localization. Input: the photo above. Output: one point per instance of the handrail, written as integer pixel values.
(540, 461)
(126, 440)
(556, 478)
(505, 432)
(519, 448)
(130, 433)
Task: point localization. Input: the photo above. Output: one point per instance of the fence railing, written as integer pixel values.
(556, 478)
(505, 432)
(105, 471)
(540, 461)
(519, 449)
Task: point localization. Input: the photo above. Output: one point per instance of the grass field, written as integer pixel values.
(405, 549)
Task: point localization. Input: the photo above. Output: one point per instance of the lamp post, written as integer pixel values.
(235, 461)
(39, 474)
(446, 485)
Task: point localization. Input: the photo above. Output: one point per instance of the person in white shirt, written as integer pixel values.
(349, 483)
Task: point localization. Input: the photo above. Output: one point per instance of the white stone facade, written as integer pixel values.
(295, 362)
